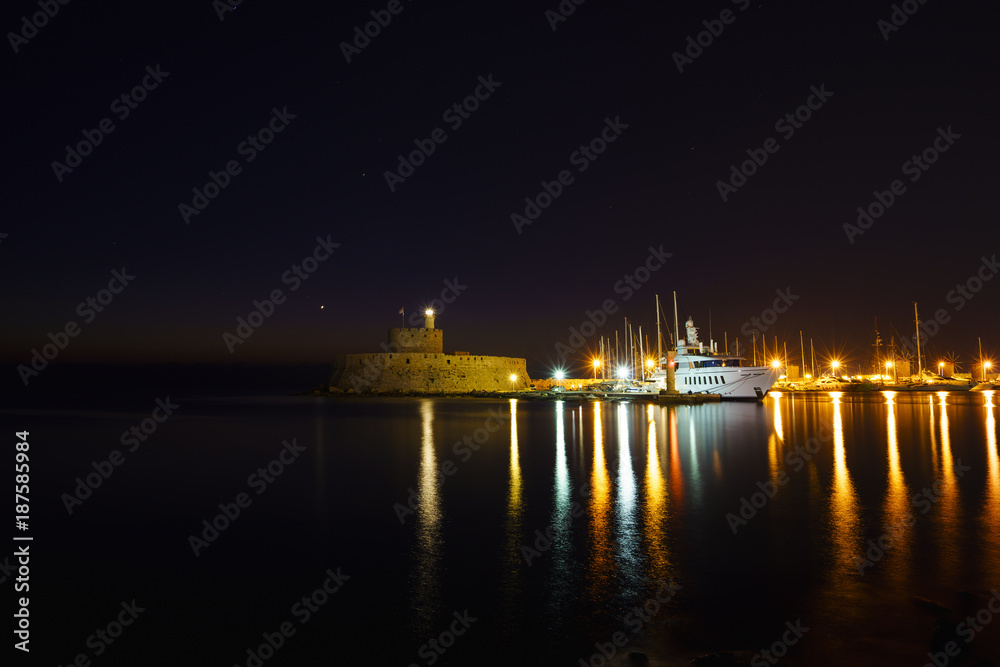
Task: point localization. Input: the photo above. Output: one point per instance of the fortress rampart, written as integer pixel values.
(426, 372)
(415, 362)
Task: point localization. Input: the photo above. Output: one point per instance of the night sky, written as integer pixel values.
(222, 76)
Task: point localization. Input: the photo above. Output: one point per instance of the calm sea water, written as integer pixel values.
(554, 525)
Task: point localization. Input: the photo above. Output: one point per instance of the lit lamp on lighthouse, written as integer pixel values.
(429, 318)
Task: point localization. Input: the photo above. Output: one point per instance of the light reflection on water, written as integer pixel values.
(513, 528)
(775, 440)
(843, 500)
(898, 513)
(429, 544)
(655, 510)
(655, 506)
(627, 536)
(991, 500)
(602, 560)
(948, 513)
(560, 590)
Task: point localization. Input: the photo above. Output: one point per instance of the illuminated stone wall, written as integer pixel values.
(416, 340)
(426, 372)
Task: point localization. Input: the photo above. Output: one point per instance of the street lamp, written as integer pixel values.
(513, 379)
(941, 368)
(891, 365)
(986, 367)
(834, 365)
(597, 364)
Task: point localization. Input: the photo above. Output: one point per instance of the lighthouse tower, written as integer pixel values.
(425, 339)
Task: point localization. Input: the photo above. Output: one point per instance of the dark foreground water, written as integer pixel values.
(514, 532)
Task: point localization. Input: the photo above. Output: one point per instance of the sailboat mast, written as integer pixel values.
(659, 345)
(878, 342)
(802, 347)
(677, 331)
(982, 366)
(920, 365)
(641, 357)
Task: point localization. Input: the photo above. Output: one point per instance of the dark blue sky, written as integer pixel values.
(551, 92)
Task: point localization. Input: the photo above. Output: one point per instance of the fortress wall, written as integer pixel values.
(416, 340)
(426, 372)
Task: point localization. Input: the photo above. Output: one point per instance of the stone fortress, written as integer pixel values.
(413, 361)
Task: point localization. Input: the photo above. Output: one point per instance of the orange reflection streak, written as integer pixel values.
(676, 474)
(778, 428)
(775, 440)
(934, 453)
(512, 564)
(948, 511)
(429, 517)
(896, 509)
(514, 491)
(843, 501)
(655, 505)
(513, 527)
(429, 509)
(601, 560)
(991, 505)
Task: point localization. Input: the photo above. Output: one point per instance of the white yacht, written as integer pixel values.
(702, 370)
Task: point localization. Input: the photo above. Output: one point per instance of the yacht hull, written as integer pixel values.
(729, 382)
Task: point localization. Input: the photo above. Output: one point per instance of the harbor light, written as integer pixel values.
(649, 363)
(834, 365)
(986, 367)
(513, 379)
(597, 364)
(429, 312)
(775, 363)
(622, 372)
(941, 368)
(560, 374)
